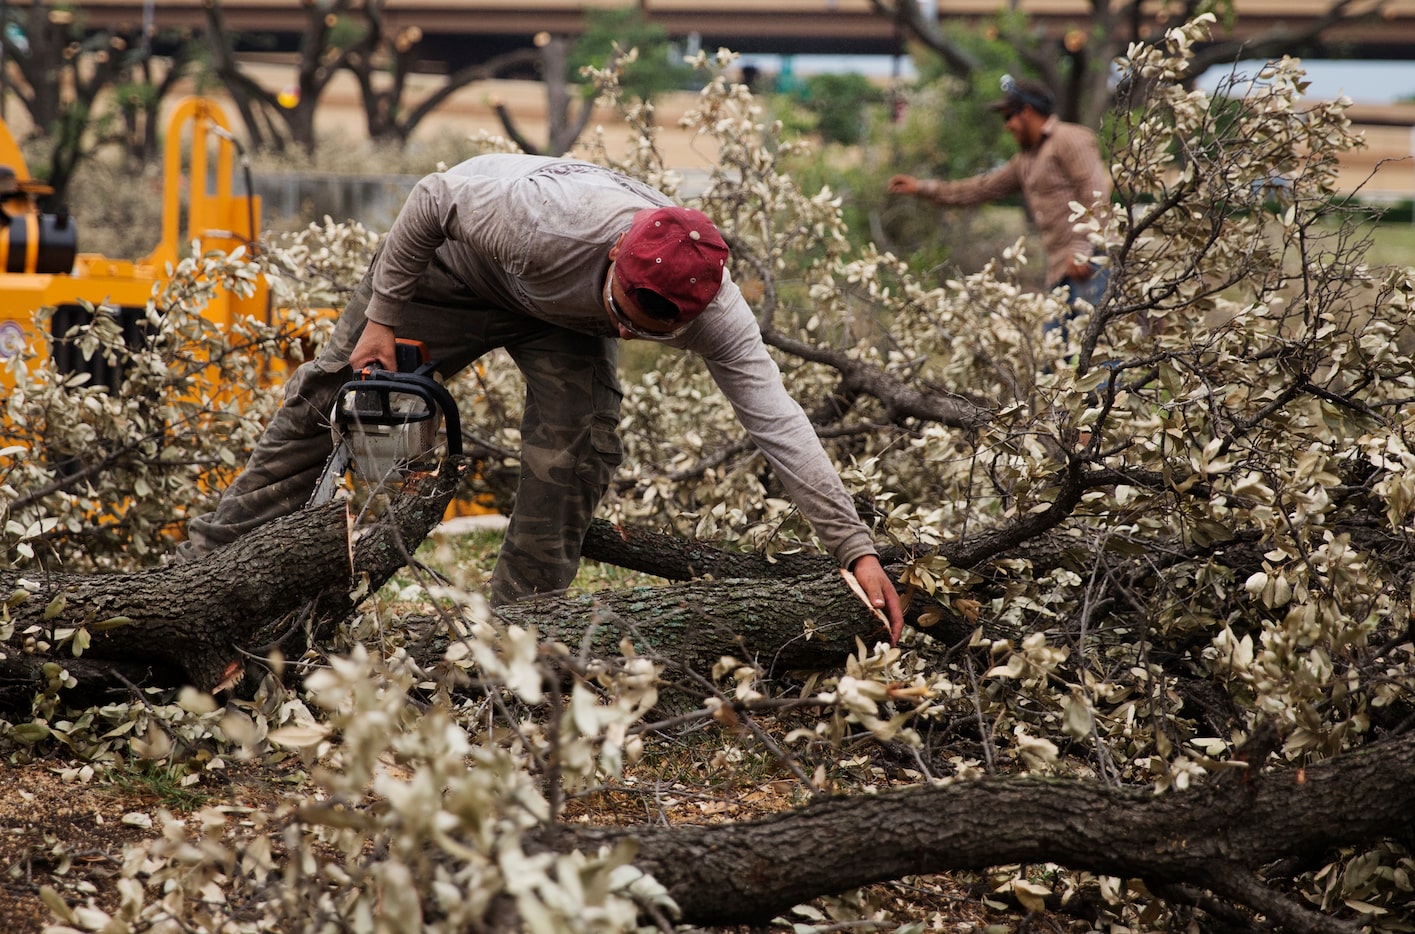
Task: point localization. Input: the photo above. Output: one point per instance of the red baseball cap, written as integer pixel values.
(676, 252)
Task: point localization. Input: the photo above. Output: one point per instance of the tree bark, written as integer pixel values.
(679, 559)
(1215, 837)
(197, 616)
(197, 621)
(693, 625)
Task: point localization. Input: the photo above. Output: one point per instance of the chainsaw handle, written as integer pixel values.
(431, 392)
(374, 371)
(409, 355)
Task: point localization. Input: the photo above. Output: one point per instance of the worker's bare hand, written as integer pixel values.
(1080, 270)
(903, 185)
(376, 348)
(879, 590)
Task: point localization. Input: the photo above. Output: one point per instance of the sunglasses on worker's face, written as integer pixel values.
(617, 315)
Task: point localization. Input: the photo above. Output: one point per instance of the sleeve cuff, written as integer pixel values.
(854, 548)
(382, 311)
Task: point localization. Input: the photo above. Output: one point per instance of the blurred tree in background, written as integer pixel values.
(611, 33)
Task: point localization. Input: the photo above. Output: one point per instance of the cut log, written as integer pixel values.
(801, 623)
(194, 617)
(679, 559)
(1215, 837)
(195, 620)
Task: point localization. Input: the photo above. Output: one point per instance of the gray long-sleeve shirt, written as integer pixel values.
(533, 234)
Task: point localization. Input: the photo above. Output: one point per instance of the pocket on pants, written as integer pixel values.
(606, 449)
(605, 454)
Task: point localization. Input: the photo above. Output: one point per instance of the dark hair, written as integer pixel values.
(1026, 92)
(656, 306)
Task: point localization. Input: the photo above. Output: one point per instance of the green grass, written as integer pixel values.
(1393, 244)
(162, 782)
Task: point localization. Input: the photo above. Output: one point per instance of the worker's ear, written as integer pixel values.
(614, 250)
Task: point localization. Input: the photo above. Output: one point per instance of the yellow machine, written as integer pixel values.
(40, 265)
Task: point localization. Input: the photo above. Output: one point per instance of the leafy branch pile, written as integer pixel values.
(1168, 552)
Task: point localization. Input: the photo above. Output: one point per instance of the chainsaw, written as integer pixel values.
(386, 424)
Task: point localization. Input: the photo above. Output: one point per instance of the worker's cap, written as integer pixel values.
(675, 252)
(1020, 92)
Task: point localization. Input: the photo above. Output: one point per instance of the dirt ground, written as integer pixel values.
(70, 835)
(56, 834)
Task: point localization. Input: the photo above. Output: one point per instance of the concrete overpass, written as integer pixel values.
(459, 30)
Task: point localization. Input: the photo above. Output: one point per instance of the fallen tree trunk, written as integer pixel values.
(799, 623)
(678, 559)
(196, 621)
(1216, 837)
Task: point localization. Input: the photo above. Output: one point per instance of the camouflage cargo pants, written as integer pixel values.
(570, 446)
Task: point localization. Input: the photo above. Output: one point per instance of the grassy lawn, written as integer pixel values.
(1393, 244)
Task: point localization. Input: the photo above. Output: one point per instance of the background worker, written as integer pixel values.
(555, 260)
(1056, 163)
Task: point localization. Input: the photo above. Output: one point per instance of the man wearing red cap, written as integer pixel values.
(555, 260)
